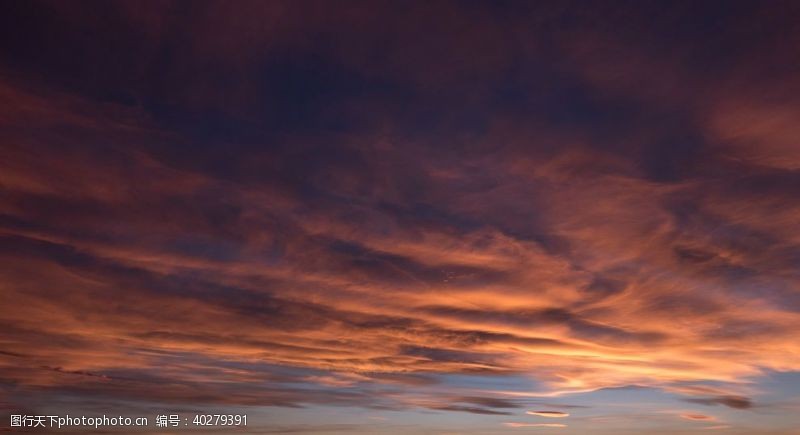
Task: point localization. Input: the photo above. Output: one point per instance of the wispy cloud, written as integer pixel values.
(552, 414)
(524, 425)
(701, 417)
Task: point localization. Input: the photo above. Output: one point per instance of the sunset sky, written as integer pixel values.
(403, 217)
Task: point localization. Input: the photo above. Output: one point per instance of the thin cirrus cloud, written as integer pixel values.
(699, 417)
(313, 225)
(524, 425)
(550, 414)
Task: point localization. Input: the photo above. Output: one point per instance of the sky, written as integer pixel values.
(403, 217)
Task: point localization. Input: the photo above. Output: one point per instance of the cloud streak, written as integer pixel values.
(544, 425)
(549, 414)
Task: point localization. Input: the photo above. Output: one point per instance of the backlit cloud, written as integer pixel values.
(523, 425)
(553, 414)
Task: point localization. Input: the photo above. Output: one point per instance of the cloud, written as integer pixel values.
(471, 410)
(272, 206)
(736, 402)
(490, 402)
(552, 414)
(415, 296)
(697, 417)
(523, 425)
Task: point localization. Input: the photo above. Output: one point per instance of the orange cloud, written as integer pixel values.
(648, 295)
(522, 425)
(697, 417)
(553, 414)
